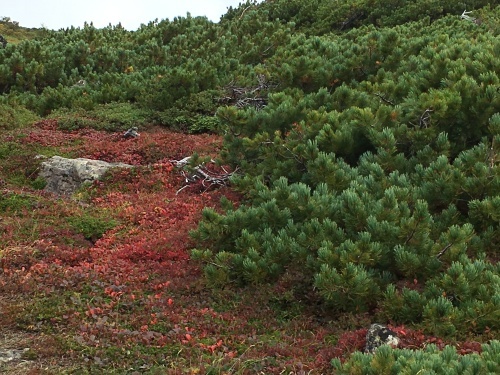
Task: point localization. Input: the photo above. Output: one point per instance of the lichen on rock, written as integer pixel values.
(378, 335)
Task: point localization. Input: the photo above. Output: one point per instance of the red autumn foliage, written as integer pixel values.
(151, 147)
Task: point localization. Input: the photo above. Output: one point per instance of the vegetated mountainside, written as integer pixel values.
(365, 140)
(14, 33)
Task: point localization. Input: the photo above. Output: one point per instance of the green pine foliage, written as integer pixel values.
(114, 116)
(431, 360)
(317, 17)
(376, 162)
(15, 116)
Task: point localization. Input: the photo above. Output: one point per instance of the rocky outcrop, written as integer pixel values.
(64, 176)
(378, 335)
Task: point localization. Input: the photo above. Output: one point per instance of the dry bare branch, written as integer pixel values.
(201, 173)
(242, 97)
(425, 119)
(383, 98)
(444, 250)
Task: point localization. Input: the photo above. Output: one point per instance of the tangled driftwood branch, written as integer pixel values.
(425, 119)
(465, 16)
(201, 173)
(242, 97)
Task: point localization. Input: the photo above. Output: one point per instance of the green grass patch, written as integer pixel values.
(8, 148)
(12, 202)
(91, 226)
(19, 165)
(38, 183)
(286, 306)
(42, 313)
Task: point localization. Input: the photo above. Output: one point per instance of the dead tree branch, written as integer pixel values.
(465, 16)
(425, 119)
(444, 250)
(491, 159)
(244, 11)
(350, 21)
(202, 173)
(242, 97)
(383, 98)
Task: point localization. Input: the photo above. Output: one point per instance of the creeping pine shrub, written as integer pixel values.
(15, 116)
(464, 298)
(431, 360)
(203, 124)
(110, 117)
(196, 114)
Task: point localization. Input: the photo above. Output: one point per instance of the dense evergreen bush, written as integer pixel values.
(14, 116)
(368, 168)
(431, 360)
(112, 117)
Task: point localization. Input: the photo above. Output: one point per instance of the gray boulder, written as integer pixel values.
(378, 335)
(64, 176)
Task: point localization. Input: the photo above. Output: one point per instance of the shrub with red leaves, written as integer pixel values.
(348, 343)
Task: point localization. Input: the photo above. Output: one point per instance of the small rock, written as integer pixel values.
(378, 335)
(131, 133)
(9, 355)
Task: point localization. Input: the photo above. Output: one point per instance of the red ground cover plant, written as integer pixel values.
(150, 147)
(136, 286)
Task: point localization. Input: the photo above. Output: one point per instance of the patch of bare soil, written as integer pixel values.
(28, 353)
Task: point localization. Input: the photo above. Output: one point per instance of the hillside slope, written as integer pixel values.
(363, 143)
